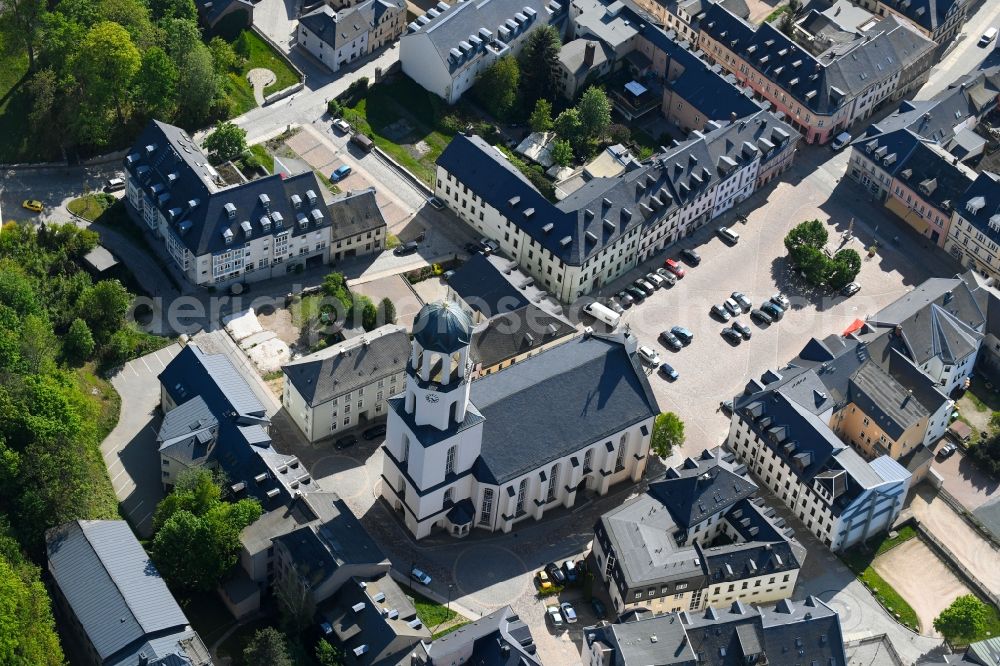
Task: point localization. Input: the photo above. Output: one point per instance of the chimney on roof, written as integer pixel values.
(589, 53)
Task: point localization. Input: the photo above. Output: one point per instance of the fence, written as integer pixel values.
(886, 644)
(969, 517)
(949, 557)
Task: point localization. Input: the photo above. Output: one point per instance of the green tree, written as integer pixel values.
(167, 9)
(156, 83)
(78, 343)
(668, 432)
(369, 313)
(496, 87)
(27, 628)
(568, 126)
(38, 344)
(195, 490)
(811, 233)
(224, 57)
(541, 117)
(595, 112)
(197, 84)
(966, 619)
(133, 15)
(327, 655)
(226, 142)
(20, 23)
(844, 267)
(334, 108)
(268, 647)
(106, 65)
(104, 307)
(562, 152)
(387, 310)
(805, 244)
(540, 66)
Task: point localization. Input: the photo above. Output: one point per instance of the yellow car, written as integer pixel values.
(544, 584)
(32, 205)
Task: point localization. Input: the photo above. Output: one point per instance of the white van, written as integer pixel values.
(842, 140)
(988, 37)
(603, 313)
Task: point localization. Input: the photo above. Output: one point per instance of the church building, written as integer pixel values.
(514, 444)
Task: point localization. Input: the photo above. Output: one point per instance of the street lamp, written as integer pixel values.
(448, 606)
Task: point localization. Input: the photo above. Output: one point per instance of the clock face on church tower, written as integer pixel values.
(432, 398)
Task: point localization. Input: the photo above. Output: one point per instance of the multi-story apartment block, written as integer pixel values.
(938, 20)
(974, 234)
(609, 225)
(682, 16)
(445, 49)
(781, 430)
(512, 445)
(825, 90)
(790, 632)
(696, 538)
(347, 384)
(218, 233)
(337, 38)
(916, 179)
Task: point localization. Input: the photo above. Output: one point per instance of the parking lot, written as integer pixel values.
(711, 368)
(130, 450)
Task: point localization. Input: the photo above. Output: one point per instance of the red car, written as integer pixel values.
(674, 267)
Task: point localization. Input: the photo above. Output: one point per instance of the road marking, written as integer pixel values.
(131, 367)
(149, 369)
(129, 514)
(118, 475)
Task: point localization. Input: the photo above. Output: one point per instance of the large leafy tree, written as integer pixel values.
(496, 87)
(106, 66)
(104, 307)
(668, 432)
(568, 126)
(267, 648)
(844, 267)
(20, 23)
(562, 153)
(966, 619)
(595, 112)
(541, 116)
(540, 66)
(78, 343)
(156, 83)
(227, 141)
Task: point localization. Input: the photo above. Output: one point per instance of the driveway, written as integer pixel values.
(966, 482)
(928, 593)
(711, 369)
(54, 187)
(130, 450)
(397, 290)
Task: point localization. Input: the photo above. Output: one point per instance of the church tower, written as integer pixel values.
(438, 374)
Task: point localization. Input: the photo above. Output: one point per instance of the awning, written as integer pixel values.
(856, 326)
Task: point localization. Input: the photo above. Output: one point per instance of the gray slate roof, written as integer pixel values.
(111, 586)
(188, 431)
(339, 28)
(508, 335)
(349, 365)
(484, 641)
(485, 288)
(576, 393)
(984, 194)
(355, 213)
(604, 209)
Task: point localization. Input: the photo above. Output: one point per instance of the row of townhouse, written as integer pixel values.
(337, 37)
(218, 232)
(824, 90)
(609, 225)
(939, 20)
(696, 538)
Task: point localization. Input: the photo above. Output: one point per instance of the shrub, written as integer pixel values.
(334, 108)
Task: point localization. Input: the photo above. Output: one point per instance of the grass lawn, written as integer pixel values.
(859, 559)
(399, 114)
(438, 618)
(91, 206)
(256, 53)
(777, 13)
(103, 396)
(329, 184)
(264, 156)
(17, 141)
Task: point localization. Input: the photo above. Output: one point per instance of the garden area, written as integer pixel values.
(254, 53)
(438, 618)
(859, 560)
(979, 408)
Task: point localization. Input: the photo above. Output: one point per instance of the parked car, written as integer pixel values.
(625, 299)
(732, 307)
(615, 307)
(727, 407)
(987, 37)
(668, 371)
(570, 569)
(741, 298)
(363, 142)
(646, 287)
(760, 316)
(655, 280)
(638, 295)
(667, 276)
(850, 289)
(732, 335)
(842, 140)
(674, 267)
(345, 442)
(405, 249)
(374, 432)
(649, 355)
(419, 576)
(781, 301)
(114, 185)
(599, 610)
(670, 340)
(554, 617)
(946, 450)
(685, 335)
(568, 612)
(489, 245)
(720, 312)
(342, 125)
(33, 205)
(773, 311)
(742, 329)
(555, 573)
(728, 235)
(342, 172)
(544, 582)
(435, 203)
(690, 256)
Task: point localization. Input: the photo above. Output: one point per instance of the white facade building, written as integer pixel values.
(493, 452)
(337, 38)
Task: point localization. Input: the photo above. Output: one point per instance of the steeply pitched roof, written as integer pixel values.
(339, 28)
(348, 365)
(928, 14)
(980, 205)
(518, 332)
(885, 401)
(578, 392)
(604, 209)
(500, 638)
(111, 586)
(188, 432)
(355, 213)
(485, 288)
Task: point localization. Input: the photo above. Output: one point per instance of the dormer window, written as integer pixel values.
(227, 236)
(247, 229)
(296, 201)
(230, 211)
(311, 197)
(317, 215)
(279, 221)
(265, 201)
(265, 223)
